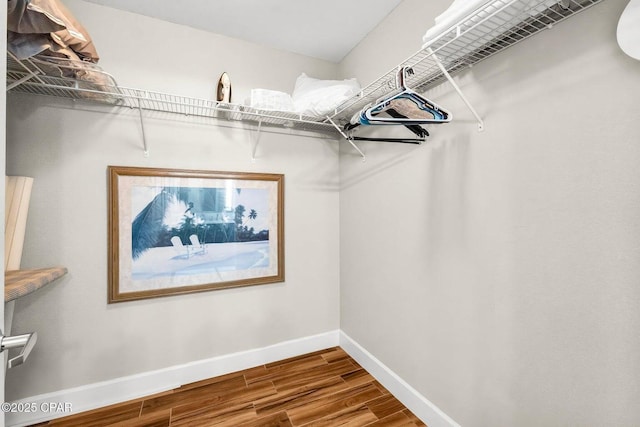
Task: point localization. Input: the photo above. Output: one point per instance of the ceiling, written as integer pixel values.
(325, 29)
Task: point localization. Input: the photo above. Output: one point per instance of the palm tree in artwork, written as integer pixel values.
(253, 214)
(147, 226)
(239, 214)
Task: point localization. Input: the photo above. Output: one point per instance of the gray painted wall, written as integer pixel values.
(497, 272)
(67, 148)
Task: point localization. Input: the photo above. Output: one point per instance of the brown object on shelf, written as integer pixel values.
(18, 283)
(223, 93)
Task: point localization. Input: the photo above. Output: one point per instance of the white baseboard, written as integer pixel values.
(106, 393)
(429, 413)
(119, 390)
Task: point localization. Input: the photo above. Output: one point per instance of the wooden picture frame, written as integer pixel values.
(175, 231)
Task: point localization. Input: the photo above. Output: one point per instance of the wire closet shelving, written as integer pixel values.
(91, 83)
(485, 31)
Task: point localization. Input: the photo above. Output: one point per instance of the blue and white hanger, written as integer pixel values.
(405, 108)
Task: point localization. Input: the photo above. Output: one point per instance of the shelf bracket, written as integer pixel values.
(256, 142)
(22, 80)
(457, 89)
(348, 138)
(31, 74)
(144, 136)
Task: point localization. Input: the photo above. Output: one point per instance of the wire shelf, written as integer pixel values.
(481, 34)
(39, 77)
(486, 31)
(156, 101)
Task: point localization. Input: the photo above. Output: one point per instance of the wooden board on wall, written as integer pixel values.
(17, 196)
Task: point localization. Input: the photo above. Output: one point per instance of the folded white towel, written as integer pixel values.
(461, 10)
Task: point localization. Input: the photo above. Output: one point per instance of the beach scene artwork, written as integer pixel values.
(184, 234)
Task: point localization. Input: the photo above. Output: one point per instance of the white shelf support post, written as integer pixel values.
(31, 74)
(349, 139)
(457, 89)
(19, 82)
(256, 142)
(144, 136)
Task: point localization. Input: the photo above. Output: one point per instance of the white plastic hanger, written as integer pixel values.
(405, 108)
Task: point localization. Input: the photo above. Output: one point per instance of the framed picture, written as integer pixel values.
(175, 231)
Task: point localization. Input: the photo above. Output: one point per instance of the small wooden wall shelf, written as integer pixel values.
(18, 283)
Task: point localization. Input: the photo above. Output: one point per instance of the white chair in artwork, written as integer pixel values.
(196, 246)
(182, 250)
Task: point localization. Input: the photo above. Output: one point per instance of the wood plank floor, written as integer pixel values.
(325, 388)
